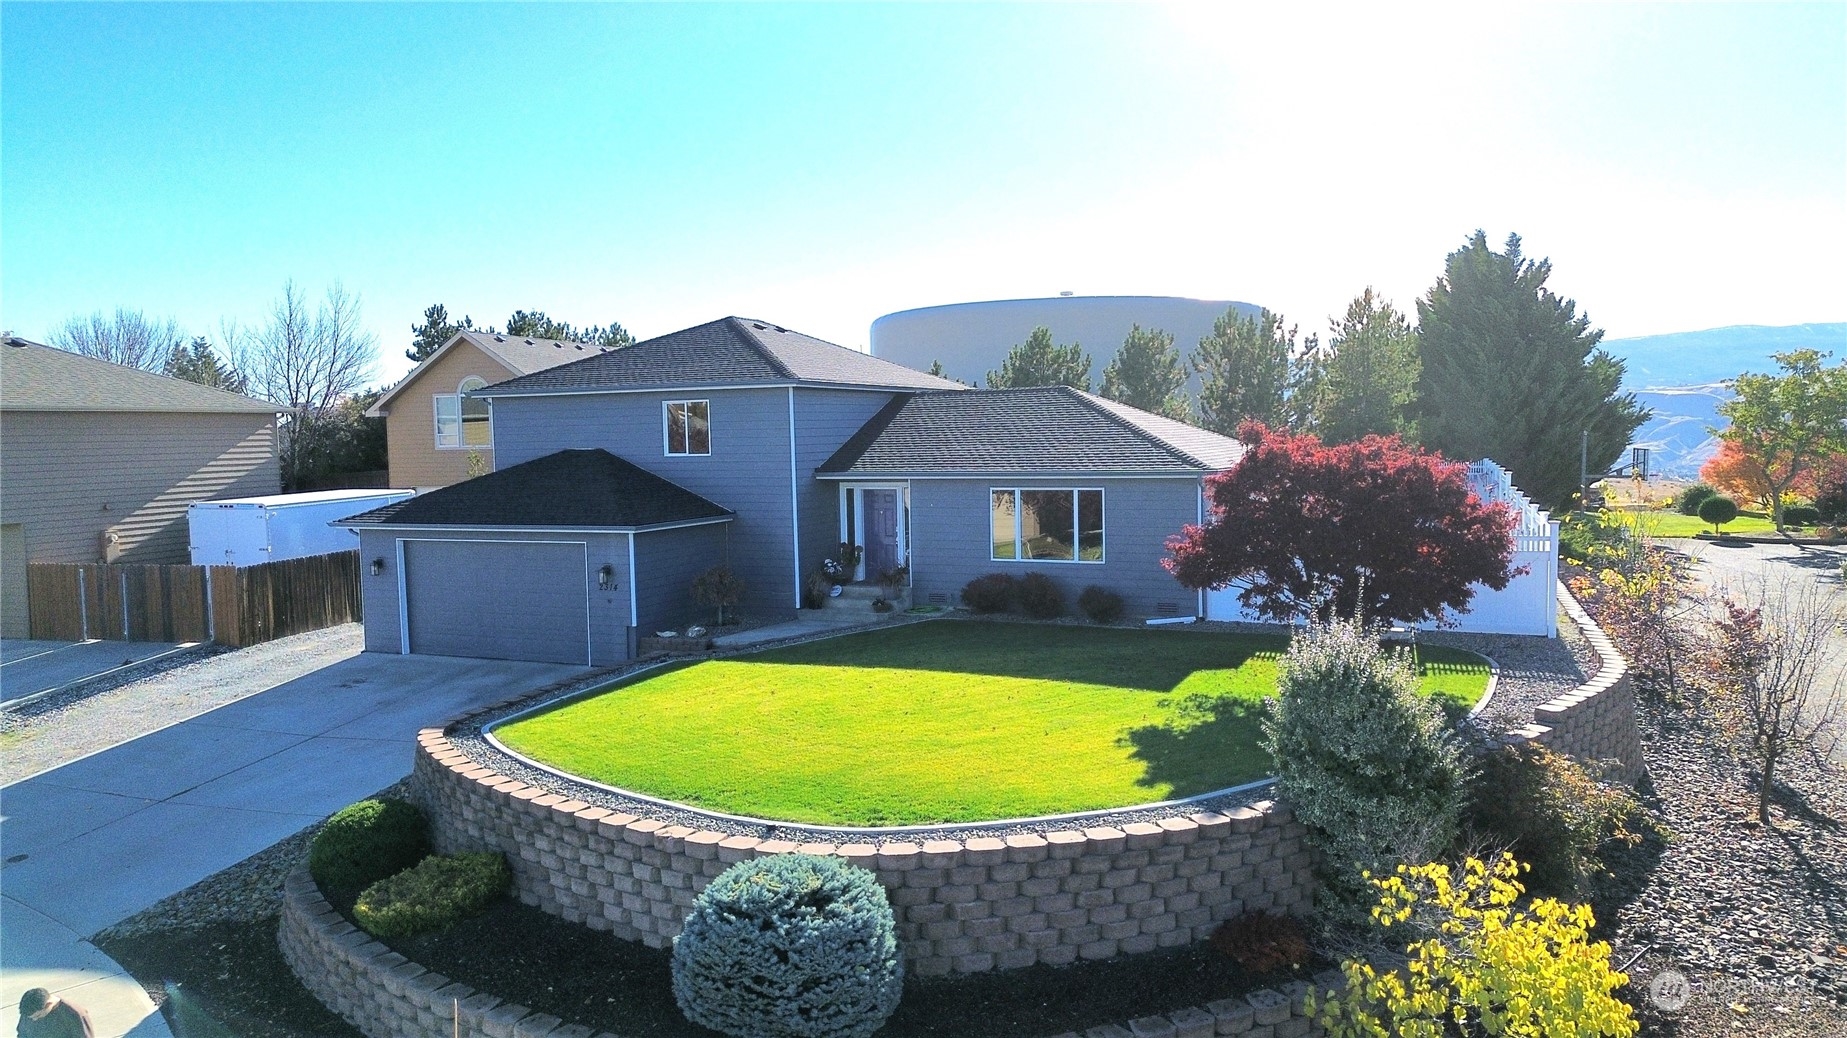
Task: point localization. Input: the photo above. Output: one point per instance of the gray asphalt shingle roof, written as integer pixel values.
(1048, 429)
(569, 489)
(729, 351)
(36, 377)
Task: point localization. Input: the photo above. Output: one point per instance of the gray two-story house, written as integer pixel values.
(623, 476)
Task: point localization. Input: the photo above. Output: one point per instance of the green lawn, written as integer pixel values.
(1673, 524)
(942, 722)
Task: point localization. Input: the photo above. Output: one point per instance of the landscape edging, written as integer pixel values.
(1595, 721)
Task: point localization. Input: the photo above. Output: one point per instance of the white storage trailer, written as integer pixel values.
(248, 531)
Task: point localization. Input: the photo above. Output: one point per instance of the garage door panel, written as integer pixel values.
(507, 600)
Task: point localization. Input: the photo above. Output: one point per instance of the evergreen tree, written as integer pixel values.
(1038, 362)
(936, 368)
(536, 325)
(435, 330)
(1368, 375)
(1146, 373)
(1512, 372)
(197, 363)
(1251, 369)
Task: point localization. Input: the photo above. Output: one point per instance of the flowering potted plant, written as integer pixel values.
(841, 567)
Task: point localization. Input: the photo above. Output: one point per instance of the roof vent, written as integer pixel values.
(781, 329)
(500, 338)
(757, 326)
(529, 342)
(580, 347)
(1063, 295)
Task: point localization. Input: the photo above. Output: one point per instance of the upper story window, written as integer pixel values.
(463, 421)
(689, 426)
(1046, 525)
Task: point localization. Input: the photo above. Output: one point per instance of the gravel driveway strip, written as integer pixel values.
(49, 734)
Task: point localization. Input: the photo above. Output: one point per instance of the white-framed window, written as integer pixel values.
(688, 427)
(464, 422)
(1029, 524)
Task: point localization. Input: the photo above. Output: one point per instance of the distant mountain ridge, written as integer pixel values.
(1682, 377)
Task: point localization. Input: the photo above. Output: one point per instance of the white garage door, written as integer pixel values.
(501, 600)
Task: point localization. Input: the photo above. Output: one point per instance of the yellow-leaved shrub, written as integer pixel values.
(1483, 964)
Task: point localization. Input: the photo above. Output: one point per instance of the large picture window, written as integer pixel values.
(1046, 525)
(462, 420)
(689, 427)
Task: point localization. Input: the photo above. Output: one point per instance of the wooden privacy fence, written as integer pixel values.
(223, 604)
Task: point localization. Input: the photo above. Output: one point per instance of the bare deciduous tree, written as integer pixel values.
(306, 359)
(129, 337)
(1778, 680)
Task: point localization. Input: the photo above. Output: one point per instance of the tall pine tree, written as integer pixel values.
(436, 329)
(1146, 373)
(1512, 372)
(1252, 368)
(1368, 373)
(1038, 362)
(198, 363)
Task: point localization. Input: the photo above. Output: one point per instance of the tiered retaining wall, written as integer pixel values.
(385, 995)
(963, 906)
(1596, 720)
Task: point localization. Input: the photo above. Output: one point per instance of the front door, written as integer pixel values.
(882, 512)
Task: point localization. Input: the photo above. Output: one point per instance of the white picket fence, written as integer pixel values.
(1527, 605)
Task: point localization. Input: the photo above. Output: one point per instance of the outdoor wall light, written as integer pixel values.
(378, 566)
(606, 577)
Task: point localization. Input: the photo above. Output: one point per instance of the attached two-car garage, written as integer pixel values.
(534, 606)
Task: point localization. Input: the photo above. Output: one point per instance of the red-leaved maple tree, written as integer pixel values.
(1375, 529)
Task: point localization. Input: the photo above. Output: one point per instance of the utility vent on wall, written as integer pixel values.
(1167, 608)
(939, 598)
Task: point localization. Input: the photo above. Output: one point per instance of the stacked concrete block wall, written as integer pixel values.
(1596, 720)
(385, 995)
(1266, 1013)
(963, 906)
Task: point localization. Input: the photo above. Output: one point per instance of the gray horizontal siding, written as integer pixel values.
(66, 476)
(667, 561)
(950, 541)
(747, 471)
(823, 421)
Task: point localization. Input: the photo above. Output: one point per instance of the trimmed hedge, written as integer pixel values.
(1100, 604)
(789, 946)
(1689, 500)
(365, 842)
(990, 593)
(1040, 597)
(1718, 510)
(433, 894)
(1801, 515)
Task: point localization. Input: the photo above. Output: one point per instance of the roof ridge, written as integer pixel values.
(762, 349)
(1095, 403)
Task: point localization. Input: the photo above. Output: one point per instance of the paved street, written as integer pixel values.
(103, 837)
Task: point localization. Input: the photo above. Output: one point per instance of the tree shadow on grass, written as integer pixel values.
(1207, 743)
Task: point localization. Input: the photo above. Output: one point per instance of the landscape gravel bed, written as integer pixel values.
(59, 729)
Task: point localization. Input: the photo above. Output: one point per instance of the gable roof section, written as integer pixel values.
(729, 351)
(1023, 431)
(520, 355)
(571, 489)
(36, 377)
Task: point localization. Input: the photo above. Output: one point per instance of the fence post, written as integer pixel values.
(211, 617)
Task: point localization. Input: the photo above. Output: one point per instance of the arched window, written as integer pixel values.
(462, 421)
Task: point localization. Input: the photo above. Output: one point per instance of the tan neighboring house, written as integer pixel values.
(433, 428)
(98, 462)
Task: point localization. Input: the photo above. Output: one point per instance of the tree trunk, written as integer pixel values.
(1763, 789)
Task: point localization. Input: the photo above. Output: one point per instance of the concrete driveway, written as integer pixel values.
(101, 838)
(30, 667)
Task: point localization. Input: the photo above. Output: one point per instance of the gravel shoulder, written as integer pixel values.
(51, 732)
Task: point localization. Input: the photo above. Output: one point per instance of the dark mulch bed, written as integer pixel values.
(230, 980)
(526, 956)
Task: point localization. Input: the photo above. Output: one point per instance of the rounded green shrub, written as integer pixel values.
(789, 946)
(1372, 769)
(989, 593)
(1040, 597)
(433, 894)
(1100, 604)
(365, 842)
(1801, 515)
(1718, 510)
(1689, 500)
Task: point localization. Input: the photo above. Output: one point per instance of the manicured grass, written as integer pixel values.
(942, 722)
(1673, 524)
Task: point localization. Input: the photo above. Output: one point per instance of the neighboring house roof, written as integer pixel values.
(1023, 431)
(519, 354)
(570, 489)
(730, 351)
(36, 377)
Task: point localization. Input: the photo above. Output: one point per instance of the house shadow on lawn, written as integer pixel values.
(1187, 754)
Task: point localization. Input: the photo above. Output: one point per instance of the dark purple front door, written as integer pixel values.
(881, 530)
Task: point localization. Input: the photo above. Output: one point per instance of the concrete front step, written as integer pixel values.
(854, 600)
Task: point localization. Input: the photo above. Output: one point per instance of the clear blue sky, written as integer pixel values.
(1684, 166)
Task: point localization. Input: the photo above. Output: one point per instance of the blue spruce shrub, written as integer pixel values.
(789, 946)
